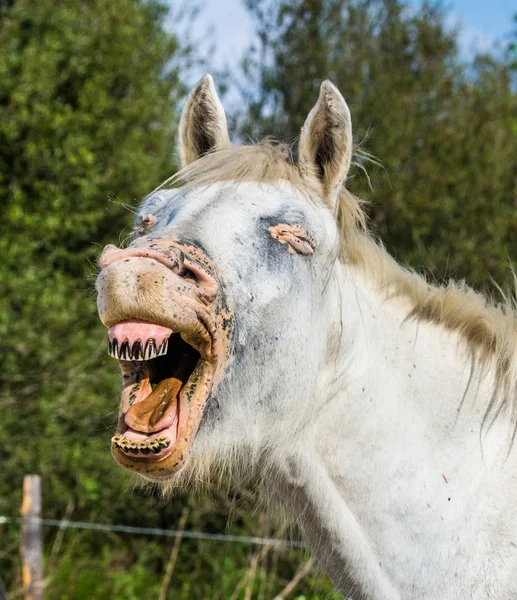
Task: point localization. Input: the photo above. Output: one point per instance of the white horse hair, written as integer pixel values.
(380, 409)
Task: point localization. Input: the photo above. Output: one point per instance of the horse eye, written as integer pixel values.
(295, 237)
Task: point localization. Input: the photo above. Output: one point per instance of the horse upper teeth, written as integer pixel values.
(124, 351)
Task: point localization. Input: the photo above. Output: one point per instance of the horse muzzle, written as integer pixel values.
(170, 328)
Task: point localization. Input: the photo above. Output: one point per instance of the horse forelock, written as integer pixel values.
(487, 326)
(268, 162)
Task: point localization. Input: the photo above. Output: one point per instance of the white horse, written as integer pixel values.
(261, 329)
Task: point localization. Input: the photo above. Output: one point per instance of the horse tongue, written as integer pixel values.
(159, 410)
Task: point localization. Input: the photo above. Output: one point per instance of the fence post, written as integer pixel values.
(31, 548)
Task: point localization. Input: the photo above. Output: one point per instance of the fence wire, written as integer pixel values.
(197, 535)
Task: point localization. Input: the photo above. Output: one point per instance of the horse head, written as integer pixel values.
(218, 310)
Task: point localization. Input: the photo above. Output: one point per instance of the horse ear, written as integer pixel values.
(203, 127)
(325, 150)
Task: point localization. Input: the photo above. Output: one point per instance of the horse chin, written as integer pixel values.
(166, 385)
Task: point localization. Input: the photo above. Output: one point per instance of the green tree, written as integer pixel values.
(443, 130)
(88, 100)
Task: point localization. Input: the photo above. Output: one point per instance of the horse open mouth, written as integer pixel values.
(166, 383)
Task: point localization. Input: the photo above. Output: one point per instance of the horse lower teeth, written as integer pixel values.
(143, 447)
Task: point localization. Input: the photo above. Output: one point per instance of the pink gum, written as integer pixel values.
(139, 331)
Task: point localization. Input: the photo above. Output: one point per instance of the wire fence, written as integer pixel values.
(176, 533)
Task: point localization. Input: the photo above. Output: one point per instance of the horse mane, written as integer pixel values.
(488, 326)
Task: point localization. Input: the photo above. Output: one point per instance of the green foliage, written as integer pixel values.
(86, 109)
(444, 131)
(88, 96)
(87, 93)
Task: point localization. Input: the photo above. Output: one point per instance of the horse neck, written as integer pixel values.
(394, 468)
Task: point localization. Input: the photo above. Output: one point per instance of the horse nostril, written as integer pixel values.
(188, 274)
(179, 258)
(180, 269)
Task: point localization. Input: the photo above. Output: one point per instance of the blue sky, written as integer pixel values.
(482, 22)
(489, 17)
